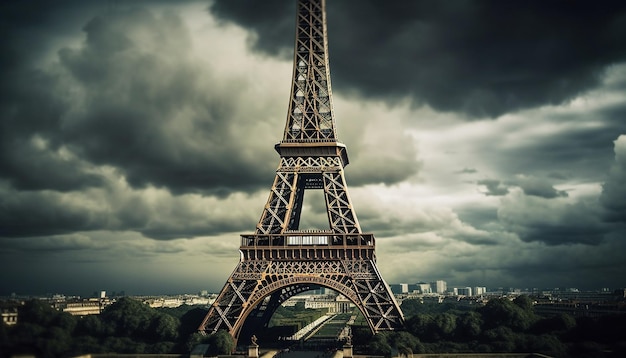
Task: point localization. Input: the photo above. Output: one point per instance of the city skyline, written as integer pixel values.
(396, 287)
(136, 139)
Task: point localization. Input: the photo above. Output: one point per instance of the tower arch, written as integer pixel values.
(272, 296)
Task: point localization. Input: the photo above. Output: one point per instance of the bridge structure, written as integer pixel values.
(279, 260)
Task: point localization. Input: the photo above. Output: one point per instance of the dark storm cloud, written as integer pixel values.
(539, 187)
(122, 101)
(565, 233)
(156, 215)
(29, 108)
(272, 21)
(482, 58)
(46, 245)
(31, 158)
(553, 222)
(125, 102)
(131, 97)
(35, 214)
(30, 29)
(494, 187)
(382, 170)
(558, 147)
(580, 153)
(483, 218)
(537, 213)
(150, 113)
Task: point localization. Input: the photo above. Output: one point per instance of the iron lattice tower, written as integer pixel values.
(279, 260)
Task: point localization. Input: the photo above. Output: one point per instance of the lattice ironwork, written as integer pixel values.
(279, 260)
(358, 280)
(310, 115)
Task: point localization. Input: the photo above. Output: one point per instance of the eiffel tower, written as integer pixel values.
(279, 260)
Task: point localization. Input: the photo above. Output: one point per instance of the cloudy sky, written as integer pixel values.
(487, 139)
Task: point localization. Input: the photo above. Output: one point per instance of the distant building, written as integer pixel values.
(176, 301)
(9, 315)
(81, 307)
(396, 288)
(439, 286)
(479, 290)
(464, 291)
(424, 287)
(399, 288)
(579, 303)
(164, 302)
(334, 303)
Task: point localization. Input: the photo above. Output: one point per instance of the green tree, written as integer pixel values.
(65, 320)
(559, 323)
(190, 321)
(221, 342)
(194, 339)
(501, 339)
(90, 326)
(25, 334)
(406, 342)
(165, 327)
(128, 318)
(503, 312)
(469, 326)
(55, 341)
(442, 326)
(37, 312)
(524, 302)
(380, 345)
(411, 307)
(419, 325)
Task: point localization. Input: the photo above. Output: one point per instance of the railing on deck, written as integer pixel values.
(307, 238)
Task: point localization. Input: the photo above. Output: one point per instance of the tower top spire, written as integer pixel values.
(310, 116)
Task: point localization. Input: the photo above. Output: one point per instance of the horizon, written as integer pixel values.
(124, 293)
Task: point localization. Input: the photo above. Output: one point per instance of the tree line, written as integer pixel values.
(127, 326)
(503, 326)
(132, 327)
